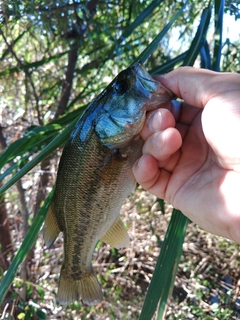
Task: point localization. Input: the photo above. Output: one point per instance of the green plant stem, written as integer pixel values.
(166, 267)
(25, 247)
(55, 143)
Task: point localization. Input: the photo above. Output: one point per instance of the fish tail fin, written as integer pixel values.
(87, 289)
(50, 228)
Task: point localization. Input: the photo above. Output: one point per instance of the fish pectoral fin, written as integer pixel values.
(86, 289)
(117, 235)
(50, 228)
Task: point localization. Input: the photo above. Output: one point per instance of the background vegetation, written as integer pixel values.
(56, 56)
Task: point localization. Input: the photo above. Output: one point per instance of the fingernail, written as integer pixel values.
(155, 120)
(137, 164)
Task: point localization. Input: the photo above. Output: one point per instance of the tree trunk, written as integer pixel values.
(5, 232)
(6, 247)
(65, 95)
(5, 235)
(24, 214)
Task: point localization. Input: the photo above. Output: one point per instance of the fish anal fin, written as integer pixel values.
(86, 289)
(117, 235)
(50, 228)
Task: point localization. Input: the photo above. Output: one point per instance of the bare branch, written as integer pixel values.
(27, 73)
(5, 233)
(72, 60)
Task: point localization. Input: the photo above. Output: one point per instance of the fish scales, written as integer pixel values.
(89, 189)
(95, 177)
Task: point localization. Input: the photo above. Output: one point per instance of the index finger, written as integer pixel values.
(198, 86)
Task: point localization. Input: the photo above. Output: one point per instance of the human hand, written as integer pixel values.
(191, 155)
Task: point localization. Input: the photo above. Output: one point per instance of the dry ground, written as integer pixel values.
(206, 287)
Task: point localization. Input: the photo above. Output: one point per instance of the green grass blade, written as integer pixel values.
(166, 267)
(26, 246)
(136, 23)
(205, 56)
(33, 138)
(198, 40)
(139, 20)
(12, 168)
(176, 234)
(55, 143)
(152, 46)
(169, 65)
(219, 12)
(7, 51)
(71, 116)
(37, 137)
(32, 65)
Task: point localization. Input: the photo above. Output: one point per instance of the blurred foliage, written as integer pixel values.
(37, 67)
(39, 36)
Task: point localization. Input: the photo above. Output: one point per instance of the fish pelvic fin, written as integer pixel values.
(50, 228)
(86, 289)
(117, 235)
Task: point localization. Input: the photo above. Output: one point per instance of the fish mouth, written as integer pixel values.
(146, 85)
(150, 88)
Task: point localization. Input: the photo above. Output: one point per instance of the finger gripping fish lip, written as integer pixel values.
(122, 118)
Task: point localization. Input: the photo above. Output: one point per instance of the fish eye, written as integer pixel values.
(121, 86)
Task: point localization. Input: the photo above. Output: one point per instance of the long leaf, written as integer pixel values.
(198, 40)
(169, 65)
(166, 267)
(136, 23)
(26, 246)
(205, 56)
(37, 137)
(60, 139)
(9, 170)
(219, 12)
(32, 139)
(7, 51)
(174, 241)
(153, 45)
(32, 65)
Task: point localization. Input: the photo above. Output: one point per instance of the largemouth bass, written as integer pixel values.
(95, 177)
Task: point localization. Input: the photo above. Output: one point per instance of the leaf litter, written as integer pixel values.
(207, 285)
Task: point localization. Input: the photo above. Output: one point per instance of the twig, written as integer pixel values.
(27, 73)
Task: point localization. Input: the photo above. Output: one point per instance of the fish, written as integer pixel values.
(95, 177)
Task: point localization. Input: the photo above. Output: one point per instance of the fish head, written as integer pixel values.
(125, 102)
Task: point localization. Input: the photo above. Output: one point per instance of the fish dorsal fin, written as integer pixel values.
(117, 235)
(50, 228)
